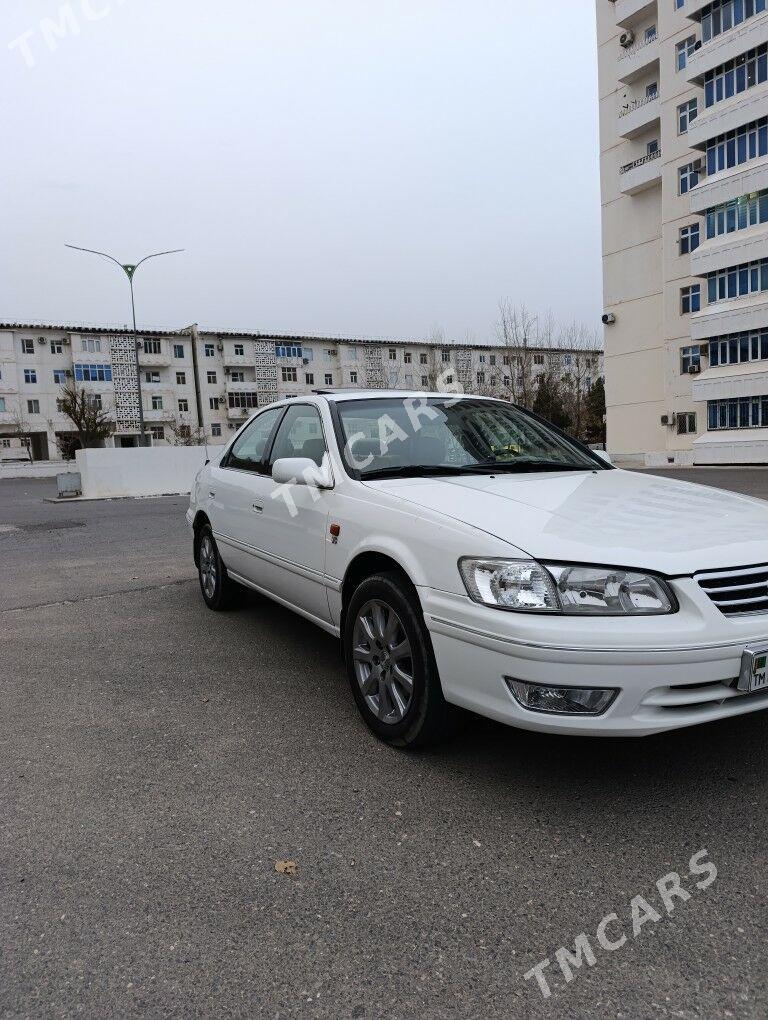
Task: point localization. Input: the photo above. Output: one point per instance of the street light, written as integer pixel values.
(130, 271)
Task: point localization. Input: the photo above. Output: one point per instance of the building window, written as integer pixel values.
(738, 281)
(686, 115)
(737, 147)
(492, 359)
(734, 348)
(651, 90)
(56, 347)
(181, 378)
(27, 345)
(33, 407)
(686, 423)
(481, 359)
(329, 354)
(689, 356)
(59, 376)
(288, 351)
(688, 177)
(538, 359)
(215, 429)
(425, 381)
(353, 377)
(178, 350)
(157, 432)
(407, 357)
(213, 403)
(423, 358)
(30, 375)
(309, 378)
(91, 344)
(152, 377)
(289, 374)
(684, 50)
(480, 378)
(448, 380)
(93, 373)
(690, 299)
(689, 238)
(679, 4)
(650, 33)
(392, 354)
(738, 214)
(236, 375)
(244, 399)
(157, 402)
(738, 413)
(152, 346)
(183, 404)
(328, 379)
(722, 15)
(209, 350)
(735, 76)
(5, 443)
(445, 357)
(94, 399)
(239, 350)
(211, 378)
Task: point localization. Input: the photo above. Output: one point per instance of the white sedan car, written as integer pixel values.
(469, 554)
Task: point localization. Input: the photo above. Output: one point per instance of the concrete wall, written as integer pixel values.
(139, 471)
(23, 469)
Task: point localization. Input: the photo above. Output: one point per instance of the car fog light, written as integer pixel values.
(562, 700)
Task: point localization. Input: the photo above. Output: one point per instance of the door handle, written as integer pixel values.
(257, 508)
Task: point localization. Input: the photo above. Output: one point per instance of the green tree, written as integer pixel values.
(594, 412)
(549, 402)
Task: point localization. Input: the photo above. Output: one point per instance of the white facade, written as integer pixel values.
(236, 373)
(684, 176)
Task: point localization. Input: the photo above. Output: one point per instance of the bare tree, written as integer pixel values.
(184, 432)
(19, 427)
(520, 337)
(578, 349)
(84, 410)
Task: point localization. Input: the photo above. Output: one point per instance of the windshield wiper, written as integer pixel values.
(510, 467)
(416, 471)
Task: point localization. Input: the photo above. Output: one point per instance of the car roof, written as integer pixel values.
(357, 394)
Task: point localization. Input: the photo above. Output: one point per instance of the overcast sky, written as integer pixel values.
(366, 167)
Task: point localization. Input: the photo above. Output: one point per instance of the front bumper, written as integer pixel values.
(671, 671)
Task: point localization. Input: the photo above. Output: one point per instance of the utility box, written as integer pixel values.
(69, 484)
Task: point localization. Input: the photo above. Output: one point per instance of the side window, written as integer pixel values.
(300, 435)
(248, 450)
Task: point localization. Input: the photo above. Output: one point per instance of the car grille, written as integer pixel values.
(737, 592)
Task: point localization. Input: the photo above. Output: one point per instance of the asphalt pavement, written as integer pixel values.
(157, 761)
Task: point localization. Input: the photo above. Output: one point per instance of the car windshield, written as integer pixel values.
(400, 436)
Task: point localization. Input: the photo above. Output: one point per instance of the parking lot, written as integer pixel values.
(157, 760)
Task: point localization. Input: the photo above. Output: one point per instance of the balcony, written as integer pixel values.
(729, 184)
(162, 360)
(629, 12)
(740, 314)
(745, 380)
(733, 43)
(635, 61)
(728, 116)
(249, 386)
(640, 174)
(239, 414)
(639, 115)
(748, 245)
(238, 360)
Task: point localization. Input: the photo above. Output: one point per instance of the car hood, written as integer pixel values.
(614, 517)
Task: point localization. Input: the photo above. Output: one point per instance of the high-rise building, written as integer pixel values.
(684, 173)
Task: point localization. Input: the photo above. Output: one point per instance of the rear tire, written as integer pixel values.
(391, 664)
(219, 591)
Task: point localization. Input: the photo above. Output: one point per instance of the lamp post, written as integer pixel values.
(130, 270)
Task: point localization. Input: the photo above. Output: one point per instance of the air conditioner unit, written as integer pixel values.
(42, 340)
(68, 373)
(305, 361)
(333, 354)
(626, 39)
(66, 341)
(231, 425)
(668, 419)
(694, 369)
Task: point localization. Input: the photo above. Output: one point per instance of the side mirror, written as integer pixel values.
(302, 471)
(603, 455)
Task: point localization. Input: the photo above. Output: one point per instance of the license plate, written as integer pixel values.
(754, 670)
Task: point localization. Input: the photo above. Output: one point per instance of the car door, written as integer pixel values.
(239, 485)
(295, 518)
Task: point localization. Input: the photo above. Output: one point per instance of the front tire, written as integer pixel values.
(391, 665)
(218, 590)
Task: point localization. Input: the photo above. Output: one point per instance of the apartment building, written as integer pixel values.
(194, 380)
(684, 175)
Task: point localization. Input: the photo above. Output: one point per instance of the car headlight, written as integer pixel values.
(528, 586)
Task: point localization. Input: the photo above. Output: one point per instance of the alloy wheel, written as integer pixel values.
(208, 566)
(383, 661)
